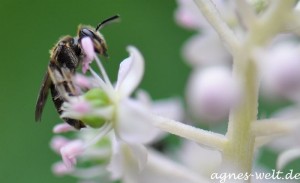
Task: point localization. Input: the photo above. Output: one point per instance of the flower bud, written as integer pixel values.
(211, 93)
(97, 98)
(280, 68)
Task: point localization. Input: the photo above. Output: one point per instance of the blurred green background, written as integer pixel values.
(28, 31)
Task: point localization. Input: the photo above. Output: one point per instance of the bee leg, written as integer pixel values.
(75, 123)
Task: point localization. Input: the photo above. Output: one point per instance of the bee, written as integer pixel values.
(65, 58)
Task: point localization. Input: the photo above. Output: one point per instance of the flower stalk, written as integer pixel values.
(212, 15)
(203, 137)
(239, 149)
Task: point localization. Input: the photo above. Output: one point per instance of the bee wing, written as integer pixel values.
(62, 79)
(42, 98)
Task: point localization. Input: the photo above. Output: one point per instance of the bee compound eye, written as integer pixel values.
(86, 32)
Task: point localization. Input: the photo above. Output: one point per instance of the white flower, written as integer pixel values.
(127, 160)
(111, 108)
(117, 108)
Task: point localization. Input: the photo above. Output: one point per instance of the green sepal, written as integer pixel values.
(94, 121)
(97, 97)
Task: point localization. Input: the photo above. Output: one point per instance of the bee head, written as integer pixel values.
(97, 38)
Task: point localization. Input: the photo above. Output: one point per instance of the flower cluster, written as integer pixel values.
(241, 36)
(242, 50)
(119, 126)
(211, 64)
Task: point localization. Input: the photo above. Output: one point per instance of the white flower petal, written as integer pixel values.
(170, 107)
(127, 160)
(161, 169)
(287, 156)
(130, 73)
(134, 124)
(195, 156)
(115, 167)
(143, 97)
(139, 153)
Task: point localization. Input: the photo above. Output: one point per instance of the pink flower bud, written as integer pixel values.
(211, 93)
(82, 81)
(60, 169)
(70, 151)
(280, 68)
(61, 128)
(57, 142)
(81, 107)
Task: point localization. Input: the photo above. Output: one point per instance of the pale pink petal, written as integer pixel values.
(88, 48)
(70, 151)
(57, 142)
(134, 123)
(130, 73)
(76, 107)
(82, 107)
(62, 127)
(60, 169)
(82, 81)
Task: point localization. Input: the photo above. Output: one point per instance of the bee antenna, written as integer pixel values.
(107, 21)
